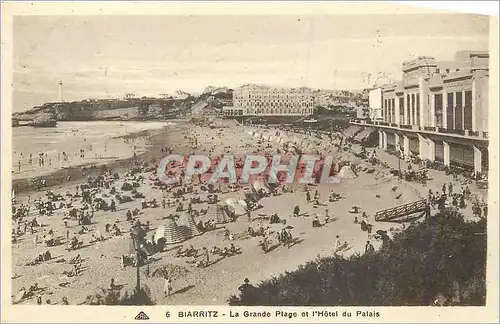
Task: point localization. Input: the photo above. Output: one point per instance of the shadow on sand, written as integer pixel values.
(296, 241)
(182, 290)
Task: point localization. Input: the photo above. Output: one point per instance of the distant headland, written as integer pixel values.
(48, 114)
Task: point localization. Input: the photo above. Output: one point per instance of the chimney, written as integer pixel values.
(61, 97)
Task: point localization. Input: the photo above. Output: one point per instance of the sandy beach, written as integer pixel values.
(216, 283)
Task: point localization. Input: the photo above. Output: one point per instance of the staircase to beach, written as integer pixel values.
(400, 213)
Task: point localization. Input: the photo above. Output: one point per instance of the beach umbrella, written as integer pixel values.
(289, 227)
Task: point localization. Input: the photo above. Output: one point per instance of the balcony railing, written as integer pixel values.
(473, 133)
(463, 132)
(453, 131)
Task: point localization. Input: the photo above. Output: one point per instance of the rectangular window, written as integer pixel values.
(458, 110)
(388, 114)
(408, 111)
(393, 118)
(438, 110)
(402, 110)
(468, 110)
(418, 109)
(449, 111)
(413, 109)
(385, 110)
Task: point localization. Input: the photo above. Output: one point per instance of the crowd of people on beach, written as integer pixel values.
(105, 192)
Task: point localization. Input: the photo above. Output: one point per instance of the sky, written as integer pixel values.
(108, 56)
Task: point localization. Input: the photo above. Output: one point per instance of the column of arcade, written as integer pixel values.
(427, 148)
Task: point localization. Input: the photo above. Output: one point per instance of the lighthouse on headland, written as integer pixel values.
(61, 97)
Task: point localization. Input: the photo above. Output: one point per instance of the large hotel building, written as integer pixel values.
(439, 111)
(260, 100)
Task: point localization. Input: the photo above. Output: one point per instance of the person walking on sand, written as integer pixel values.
(369, 249)
(206, 255)
(167, 286)
(337, 244)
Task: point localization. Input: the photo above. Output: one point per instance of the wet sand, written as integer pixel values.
(151, 142)
(214, 284)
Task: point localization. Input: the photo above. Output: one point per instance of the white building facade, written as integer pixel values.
(260, 100)
(439, 111)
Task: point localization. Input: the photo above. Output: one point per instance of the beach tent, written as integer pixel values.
(347, 173)
(259, 185)
(237, 205)
(221, 215)
(187, 226)
(170, 232)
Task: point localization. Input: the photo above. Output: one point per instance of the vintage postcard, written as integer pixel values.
(248, 162)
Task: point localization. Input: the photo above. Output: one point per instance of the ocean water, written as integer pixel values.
(94, 137)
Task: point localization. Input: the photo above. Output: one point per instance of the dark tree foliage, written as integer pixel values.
(444, 255)
(114, 298)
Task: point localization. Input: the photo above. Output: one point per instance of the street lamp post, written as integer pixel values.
(136, 235)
